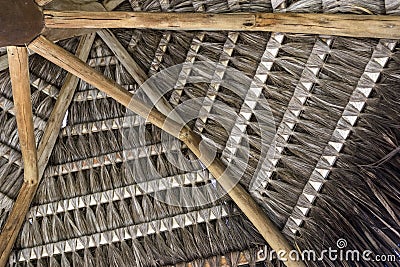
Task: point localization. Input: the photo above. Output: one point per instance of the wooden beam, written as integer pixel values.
(21, 90)
(373, 26)
(15, 220)
(239, 195)
(69, 62)
(19, 73)
(18, 213)
(42, 2)
(61, 34)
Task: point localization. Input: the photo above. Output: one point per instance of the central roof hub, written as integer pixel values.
(21, 22)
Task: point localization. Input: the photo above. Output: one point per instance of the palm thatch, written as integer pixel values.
(333, 170)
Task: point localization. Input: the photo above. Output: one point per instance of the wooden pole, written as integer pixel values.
(27, 192)
(239, 195)
(373, 26)
(15, 221)
(19, 72)
(21, 89)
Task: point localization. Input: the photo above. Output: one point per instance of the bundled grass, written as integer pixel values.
(158, 249)
(359, 201)
(314, 126)
(342, 6)
(90, 188)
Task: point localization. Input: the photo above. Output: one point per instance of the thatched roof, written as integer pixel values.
(334, 171)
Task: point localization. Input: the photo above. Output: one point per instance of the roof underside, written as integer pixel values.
(334, 172)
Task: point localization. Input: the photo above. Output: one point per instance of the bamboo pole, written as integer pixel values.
(239, 195)
(373, 26)
(27, 192)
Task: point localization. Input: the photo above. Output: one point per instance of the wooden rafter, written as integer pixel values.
(329, 24)
(28, 190)
(19, 72)
(21, 89)
(239, 195)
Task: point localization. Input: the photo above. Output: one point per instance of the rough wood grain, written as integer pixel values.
(15, 221)
(61, 34)
(19, 72)
(329, 24)
(21, 90)
(28, 190)
(246, 203)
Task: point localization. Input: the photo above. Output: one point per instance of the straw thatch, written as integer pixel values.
(334, 171)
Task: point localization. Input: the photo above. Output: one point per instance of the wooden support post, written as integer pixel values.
(381, 26)
(21, 89)
(15, 221)
(19, 72)
(239, 195)
(18, 213)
